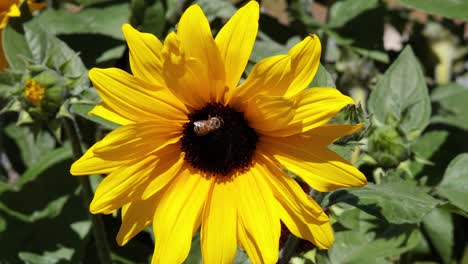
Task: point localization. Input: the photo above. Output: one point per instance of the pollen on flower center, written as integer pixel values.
(33, 92)
(224, 146)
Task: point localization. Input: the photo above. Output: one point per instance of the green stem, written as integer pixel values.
(99, 231)
(289, 249)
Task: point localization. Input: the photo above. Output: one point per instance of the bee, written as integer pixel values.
(203, 127)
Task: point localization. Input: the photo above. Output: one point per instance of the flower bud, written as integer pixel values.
(387, 146)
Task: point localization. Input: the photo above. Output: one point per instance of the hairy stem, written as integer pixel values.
(99, 231)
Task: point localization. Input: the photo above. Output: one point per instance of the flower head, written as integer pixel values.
(198, 151)
(33, 92)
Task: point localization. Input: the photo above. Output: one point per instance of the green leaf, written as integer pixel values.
(39, 47)
(173, 10)
(367, 239)
(81, 228)
(377, 55)
(344, 151)
(111, 55)
(426, 146)
(266, 47)
(3, 224)
(46, 161)
(58, 256)
(216, 8)
(32, 148)
(105, 20)
(454, 185)
(322, 78)
(401, 96)
(452, 99)
(453, 9)
(439, 227)
(398, 202)
(241, 257)
(195, 256)
(9, 84)
(83, 109)
(148, 17)
(55, 54)
(343, 11)
(453, 209)
(153, 20)
(38, 210)
(52, 210)
(15, 47)
(429, 143)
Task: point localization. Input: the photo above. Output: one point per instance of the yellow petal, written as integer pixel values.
(135, 217)
(137, 140)
(219, 224)
(145, 55)
(320, 233)
(318, 166)
(135, 99)
(268, 113)
(104, 111)
(329, 133)
(314, 107)
(270, 76)
(168, 167)
(259, 227)
(305, 60)
(300, 213)
(287, 191)
(119, 187)
(283, 75)
(130, 182)
(236, 40)
(9, 9)
(182, 74)
(14, 10)
(195, 36)
(89, 164)
(178, 215)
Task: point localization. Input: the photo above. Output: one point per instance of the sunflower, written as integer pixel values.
(11, 8)
(199, 151)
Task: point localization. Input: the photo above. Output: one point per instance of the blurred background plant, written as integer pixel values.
(404, 62)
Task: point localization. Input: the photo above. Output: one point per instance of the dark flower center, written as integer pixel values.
(218, 140)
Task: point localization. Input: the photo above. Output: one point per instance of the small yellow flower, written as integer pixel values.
(10, 8)
(199, 151)
(34, 92)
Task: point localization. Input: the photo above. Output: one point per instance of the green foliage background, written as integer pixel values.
(404, 61)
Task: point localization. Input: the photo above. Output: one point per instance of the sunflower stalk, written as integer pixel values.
(99, 232)
(292, 243)
(289, 249)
